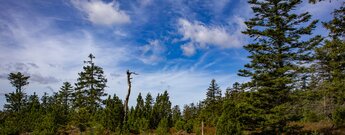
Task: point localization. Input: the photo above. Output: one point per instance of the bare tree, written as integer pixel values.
(129, 90)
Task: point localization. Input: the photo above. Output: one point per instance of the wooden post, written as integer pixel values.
(202, 127)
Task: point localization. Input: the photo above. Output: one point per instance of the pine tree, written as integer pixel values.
(176, 114)
(161, 109)
(65, 94)
(277, 56)
(331, 63)
(213, 92)
(212, 104)
(90, 86)
(139, 108)
(113, 113)
(16, 99)
(148, 110)
(236, 88)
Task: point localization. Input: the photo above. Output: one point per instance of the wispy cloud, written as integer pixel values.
(101, 13)
(152, 52)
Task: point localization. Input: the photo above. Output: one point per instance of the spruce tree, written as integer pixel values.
(212, 104)
(176, 114)
(113, 113)
(161, 109)
(148, 110)
(16, 99)
(90, 85)
(139, 108)
(213, 92)
(331, 63)
(277, 56)
(65, 94)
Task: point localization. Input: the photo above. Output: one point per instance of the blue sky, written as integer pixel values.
(174, 45)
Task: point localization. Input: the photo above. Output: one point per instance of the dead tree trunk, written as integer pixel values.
(129, 91)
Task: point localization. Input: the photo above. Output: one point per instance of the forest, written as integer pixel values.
(297, 86)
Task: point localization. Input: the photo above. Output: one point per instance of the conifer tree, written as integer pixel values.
(148, 106)
(331, 63)
(213, 92)
(65, 94)
(176, 114)
(90, 85)
(277, 56)
(148, 110)
(113, 113)
(139, 108)
(161, 109)
(213, 105)
(16, 99)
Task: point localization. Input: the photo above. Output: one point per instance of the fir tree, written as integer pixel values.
(65, 94)
(16, 99)
(213, 105)
(113, 113)
(277, 55)
(176, 114)
(213, 92)
(161, 109)
(90, 85)
(139, 108)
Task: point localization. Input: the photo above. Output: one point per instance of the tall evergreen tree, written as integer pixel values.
(212, 104)
(213, 92)
(176, 114)
(16, 99)
(148, 109)
(161, 109)
(113, 113)
(331, 63)
(65, 94)
(139, 108)
(90, 85)
(277, 56)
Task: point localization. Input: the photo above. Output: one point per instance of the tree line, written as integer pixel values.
(295, 78)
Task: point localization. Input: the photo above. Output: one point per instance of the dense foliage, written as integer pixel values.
(295, 79)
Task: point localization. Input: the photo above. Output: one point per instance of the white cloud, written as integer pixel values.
(188, 49)
(101, 13)
(152, 52)
(202, 36)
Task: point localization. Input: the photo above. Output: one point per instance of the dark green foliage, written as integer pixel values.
(112, 115)
(213, 92)
(339, 117)
(163, 127)
(212, 104)
(161, 109)
(179, 125)
(176, 114)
